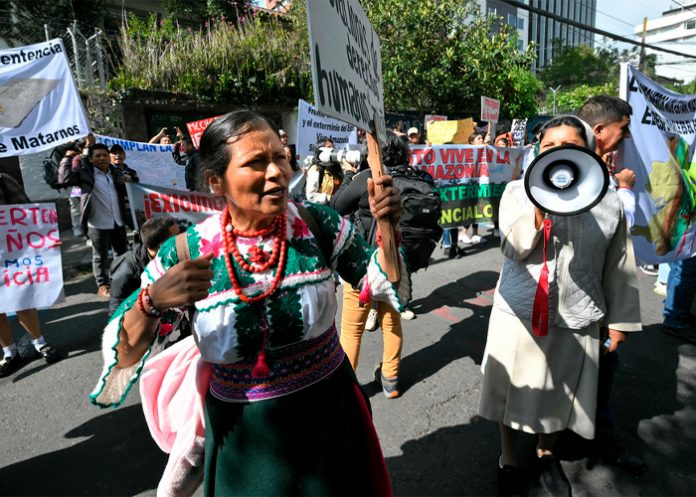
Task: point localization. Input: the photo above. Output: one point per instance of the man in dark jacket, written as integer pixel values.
(127, 268)
(190, 162)
(102, 207)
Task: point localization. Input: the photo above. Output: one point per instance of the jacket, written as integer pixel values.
(190, 164)
(81, 173)
(11, 192)
(592, 269)
(125, 274)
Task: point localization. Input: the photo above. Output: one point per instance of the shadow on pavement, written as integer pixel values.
(118, 458)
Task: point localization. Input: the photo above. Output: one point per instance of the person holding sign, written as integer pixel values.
(541, 359)
(284, 413)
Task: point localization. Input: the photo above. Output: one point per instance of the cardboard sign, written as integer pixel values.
(32, 272)
(431, 118)
(148, 201)
(196, 129)
(518, 132)
(40, 107)
(457, 132)
(490, 109)
(346, 64)
(313, 125)
(153, 162)
(470, 179)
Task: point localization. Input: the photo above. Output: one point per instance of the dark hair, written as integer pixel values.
(154, 232)
(394, 151)
(537, 128)
(472, 136)
(219, 137)
(571, 121)
(115, 148)
(187, 140)
(604, 109)
(97, 146)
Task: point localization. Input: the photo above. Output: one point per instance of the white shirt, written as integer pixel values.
(628, 200)
(104, 209)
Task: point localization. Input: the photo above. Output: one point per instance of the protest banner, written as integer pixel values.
(187, 208)
(660, 152)
(432, 118)
(518, 132)
(32, 273)
(39, 104)
(346, 64)
(196, 129)
(490, 109)
(313, 125)
(153, 162)
(457, 132)
(470, 179)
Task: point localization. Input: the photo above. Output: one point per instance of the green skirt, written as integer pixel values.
(317, 441)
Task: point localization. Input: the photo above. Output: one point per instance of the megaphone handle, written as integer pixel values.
(540, 311)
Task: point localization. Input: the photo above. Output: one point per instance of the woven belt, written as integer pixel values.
(293, 368)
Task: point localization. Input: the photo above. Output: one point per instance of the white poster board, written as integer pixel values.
(32, 272)
(40, 107)
(313, 125)
(490, 109)
(153, 162)
(346, 63)
(518, 132)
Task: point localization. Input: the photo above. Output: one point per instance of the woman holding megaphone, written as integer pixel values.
(563, 278)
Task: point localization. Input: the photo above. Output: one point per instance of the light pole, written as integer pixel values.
(554, 90)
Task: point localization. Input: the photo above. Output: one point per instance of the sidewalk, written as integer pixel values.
(76, 255)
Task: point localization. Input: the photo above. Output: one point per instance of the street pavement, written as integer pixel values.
(55, 443)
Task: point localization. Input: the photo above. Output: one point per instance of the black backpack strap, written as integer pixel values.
(325, 245)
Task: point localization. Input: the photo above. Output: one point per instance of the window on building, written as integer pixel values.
(520, 23)
(690, 24)
(520, 45)
(492, 11)
(512, 20)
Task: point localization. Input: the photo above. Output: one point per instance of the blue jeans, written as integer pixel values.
(681, 288)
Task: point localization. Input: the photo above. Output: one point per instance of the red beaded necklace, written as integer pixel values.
(279, 255)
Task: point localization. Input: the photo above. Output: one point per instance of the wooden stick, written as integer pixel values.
(391, 251)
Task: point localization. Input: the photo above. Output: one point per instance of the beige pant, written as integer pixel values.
(353, 321)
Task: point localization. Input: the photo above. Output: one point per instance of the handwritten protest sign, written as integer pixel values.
(148, 201)
(153, 162)
(39, 104)
(490, 109)
(470, 179)
(518, 132)
(346, 63)
(32, 273)
(196, 129)
(441, 132)
(313, 125)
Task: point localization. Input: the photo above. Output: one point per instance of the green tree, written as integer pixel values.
(581, 65)
(443, 55)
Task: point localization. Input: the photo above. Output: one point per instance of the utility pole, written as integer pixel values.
(641, 64)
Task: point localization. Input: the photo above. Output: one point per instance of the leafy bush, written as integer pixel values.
(250, 61)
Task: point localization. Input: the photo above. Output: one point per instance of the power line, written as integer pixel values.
(687, 7)
(591, 29)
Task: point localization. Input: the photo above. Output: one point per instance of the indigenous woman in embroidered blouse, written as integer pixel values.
(284, 414)
(542, 378)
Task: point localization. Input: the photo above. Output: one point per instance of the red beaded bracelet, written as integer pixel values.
(144, 298)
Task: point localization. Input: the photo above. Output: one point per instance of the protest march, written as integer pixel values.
(217, 263)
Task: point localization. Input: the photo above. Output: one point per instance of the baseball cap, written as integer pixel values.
(282, 133)
(412, 131)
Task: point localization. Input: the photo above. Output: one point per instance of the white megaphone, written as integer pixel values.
(566, 180)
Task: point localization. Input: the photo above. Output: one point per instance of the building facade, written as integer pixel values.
(674, 29)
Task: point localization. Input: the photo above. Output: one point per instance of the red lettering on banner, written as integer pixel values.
(42, 272)
(26, 276)
(17, 216)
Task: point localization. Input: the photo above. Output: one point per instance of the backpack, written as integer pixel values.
(420, 231)
(50, 173)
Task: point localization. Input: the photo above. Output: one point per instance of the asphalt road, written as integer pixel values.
(55, 443)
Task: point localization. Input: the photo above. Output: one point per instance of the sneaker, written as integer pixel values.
(9, 365)
(552, 478)
(408, 314)
(464, 238)
(649, 270)
(88, 242)
(508, 481)
(104, 291)
(49, 354)
(476, 239)
(390, 387)
(372, 322)
(660, 289)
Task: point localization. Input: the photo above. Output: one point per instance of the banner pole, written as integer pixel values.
(389, 246)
